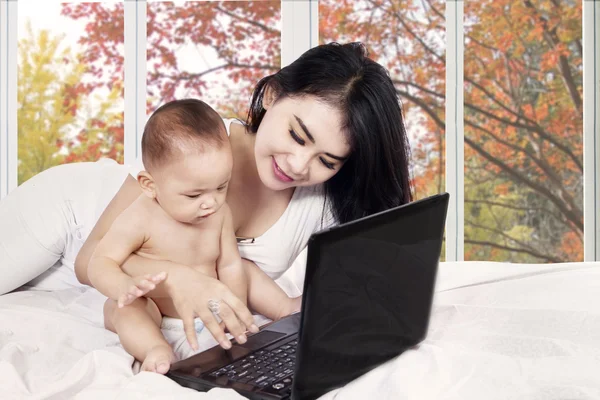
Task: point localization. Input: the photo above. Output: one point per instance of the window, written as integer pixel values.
(492, 92)
(215, 51)
(523, 113)
(408, 38)
(523, 124)
(70, 103)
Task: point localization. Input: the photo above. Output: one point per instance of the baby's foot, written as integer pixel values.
(158, 359)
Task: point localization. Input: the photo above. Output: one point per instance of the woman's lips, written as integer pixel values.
(279, 174)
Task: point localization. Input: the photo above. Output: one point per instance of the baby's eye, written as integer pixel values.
(221, 188)
(192, 196)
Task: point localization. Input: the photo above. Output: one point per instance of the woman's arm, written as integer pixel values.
(134, 265)
(229, 265)
(129, 191)
(265, 296)
(125, 236)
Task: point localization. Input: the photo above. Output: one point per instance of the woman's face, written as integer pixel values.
(299, 143)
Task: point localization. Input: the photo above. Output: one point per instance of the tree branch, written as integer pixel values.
(436, 11)
(395, 14)
(197, 75)
(534, 128)
(424, 106)
(515, 250)
(531, 126)
(563, 63)
(248, 21)
(479, 43)
(501, 233)
(544, 166)
(573, 215)
(421, 88)
(494, 99)
(516, 208)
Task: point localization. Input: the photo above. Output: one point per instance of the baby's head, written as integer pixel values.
(188, 161)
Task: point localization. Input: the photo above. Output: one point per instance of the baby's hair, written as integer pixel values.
(180, 126)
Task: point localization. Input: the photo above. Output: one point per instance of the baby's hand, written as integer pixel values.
(138, 286)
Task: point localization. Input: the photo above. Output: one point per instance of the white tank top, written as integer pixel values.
(276, 249)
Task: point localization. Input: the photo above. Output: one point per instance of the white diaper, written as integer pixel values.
(172, 329)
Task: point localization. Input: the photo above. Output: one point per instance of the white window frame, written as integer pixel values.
(134, 78)
(299, 28)
(455, 133)
(591, 131)
(8, 96)
(300, 32)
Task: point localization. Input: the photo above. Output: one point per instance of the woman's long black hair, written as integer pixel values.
(376, 175)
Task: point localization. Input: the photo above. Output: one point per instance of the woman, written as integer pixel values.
(324, 143)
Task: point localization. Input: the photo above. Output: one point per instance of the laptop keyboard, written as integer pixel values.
(271, 368)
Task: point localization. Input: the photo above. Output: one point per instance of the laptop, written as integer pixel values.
(367, 298)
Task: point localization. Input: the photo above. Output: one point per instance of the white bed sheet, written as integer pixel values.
(498, 331)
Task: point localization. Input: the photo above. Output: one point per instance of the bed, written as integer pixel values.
(498, 331)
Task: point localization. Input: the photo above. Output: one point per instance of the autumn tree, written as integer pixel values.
(523, 115)
(54, 119)
(244, 38)
(523, 124)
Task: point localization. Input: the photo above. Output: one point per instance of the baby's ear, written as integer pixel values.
(147, 184)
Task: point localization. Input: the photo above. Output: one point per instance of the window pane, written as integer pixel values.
(408, 37)
(216, 51)
(70, 103)
(523, 131)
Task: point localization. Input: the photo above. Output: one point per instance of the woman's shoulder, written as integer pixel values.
(311, 203)
(229, 121)
(277, 249)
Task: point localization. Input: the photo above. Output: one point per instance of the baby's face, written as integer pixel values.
(192, 187)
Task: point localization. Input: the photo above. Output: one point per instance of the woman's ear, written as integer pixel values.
(269, 97)
(147, 184)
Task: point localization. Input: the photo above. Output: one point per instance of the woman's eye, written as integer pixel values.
(297, 138)
(327, 164)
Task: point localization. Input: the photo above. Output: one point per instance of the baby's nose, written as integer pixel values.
(207, 203)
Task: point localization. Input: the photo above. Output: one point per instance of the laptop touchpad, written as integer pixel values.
(261, 339)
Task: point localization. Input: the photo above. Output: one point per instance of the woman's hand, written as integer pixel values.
(191, 291)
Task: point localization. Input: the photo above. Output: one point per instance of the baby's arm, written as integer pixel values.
(124, 237)
(229, 265)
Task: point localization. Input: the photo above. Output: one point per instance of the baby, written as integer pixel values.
(182, 217)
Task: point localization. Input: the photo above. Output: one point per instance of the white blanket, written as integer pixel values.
(498, 331)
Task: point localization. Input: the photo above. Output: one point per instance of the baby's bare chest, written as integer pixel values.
(193, 245)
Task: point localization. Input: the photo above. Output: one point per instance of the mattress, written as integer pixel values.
(497, 331)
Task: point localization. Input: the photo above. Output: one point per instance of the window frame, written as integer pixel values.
(300, 32)
(8, 96)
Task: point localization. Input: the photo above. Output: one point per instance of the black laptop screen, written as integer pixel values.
(368, 294)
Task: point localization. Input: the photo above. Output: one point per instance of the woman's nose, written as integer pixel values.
(299, 165)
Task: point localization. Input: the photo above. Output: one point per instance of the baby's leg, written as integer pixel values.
(138, 327)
